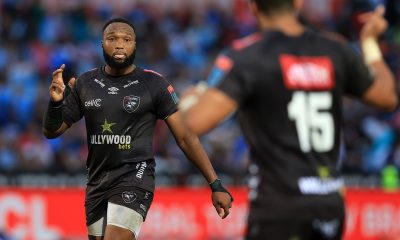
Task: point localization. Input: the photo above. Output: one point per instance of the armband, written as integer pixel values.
(192, 100)
(371, 51)
(201, 87)
(53, 117)
(216, 186)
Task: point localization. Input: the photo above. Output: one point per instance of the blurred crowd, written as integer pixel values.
(180, 39)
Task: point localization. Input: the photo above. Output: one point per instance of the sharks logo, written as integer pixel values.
(131, 103)
(129, 196)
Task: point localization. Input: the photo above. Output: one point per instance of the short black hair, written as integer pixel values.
(118, 20)
(271, 7)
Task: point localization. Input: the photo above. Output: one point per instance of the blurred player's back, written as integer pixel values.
(290, 96)
(286, 85)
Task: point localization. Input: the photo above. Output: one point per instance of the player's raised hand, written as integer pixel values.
(57, 86)
(374, 23)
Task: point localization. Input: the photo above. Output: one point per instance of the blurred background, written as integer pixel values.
(179, 39)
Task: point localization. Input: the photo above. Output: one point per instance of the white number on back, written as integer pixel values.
(314, 124)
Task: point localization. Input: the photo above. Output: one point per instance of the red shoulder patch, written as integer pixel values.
(224, 63)
(170, 89)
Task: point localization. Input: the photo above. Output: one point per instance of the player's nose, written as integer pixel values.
(119, 44)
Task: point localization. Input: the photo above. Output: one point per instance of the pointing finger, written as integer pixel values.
(380, 10)
(59, 70)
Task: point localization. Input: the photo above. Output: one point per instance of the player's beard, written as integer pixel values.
(119, 65)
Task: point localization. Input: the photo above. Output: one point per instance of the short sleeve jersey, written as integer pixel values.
(288, 91)
(120, 115)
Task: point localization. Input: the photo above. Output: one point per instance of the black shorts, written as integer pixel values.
(131, 186)
(317, 229)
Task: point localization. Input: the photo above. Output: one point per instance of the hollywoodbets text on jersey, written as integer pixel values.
(123, 141)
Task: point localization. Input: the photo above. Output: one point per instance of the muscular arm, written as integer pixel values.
(212, 107)
(190, 145)
(382, 92)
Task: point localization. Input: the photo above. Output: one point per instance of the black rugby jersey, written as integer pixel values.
(289, 94)
(120, 114)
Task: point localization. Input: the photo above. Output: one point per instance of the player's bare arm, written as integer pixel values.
(210, 108)
(382, 93)
(191, 146)
(53, 125)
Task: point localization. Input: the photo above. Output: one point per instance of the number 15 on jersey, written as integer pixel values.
(314, 123)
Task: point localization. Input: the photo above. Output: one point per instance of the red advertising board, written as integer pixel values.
(179, 213)
(42, 214)
(372, 215)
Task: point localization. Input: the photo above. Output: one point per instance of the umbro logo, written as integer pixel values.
(113, 90)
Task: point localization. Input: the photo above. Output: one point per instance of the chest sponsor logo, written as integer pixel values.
(122, 141)
(113, 90)
(307, 73)
(130, 83)
(93, 103)
(131, 103)
(129, 196)
(100, 82)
